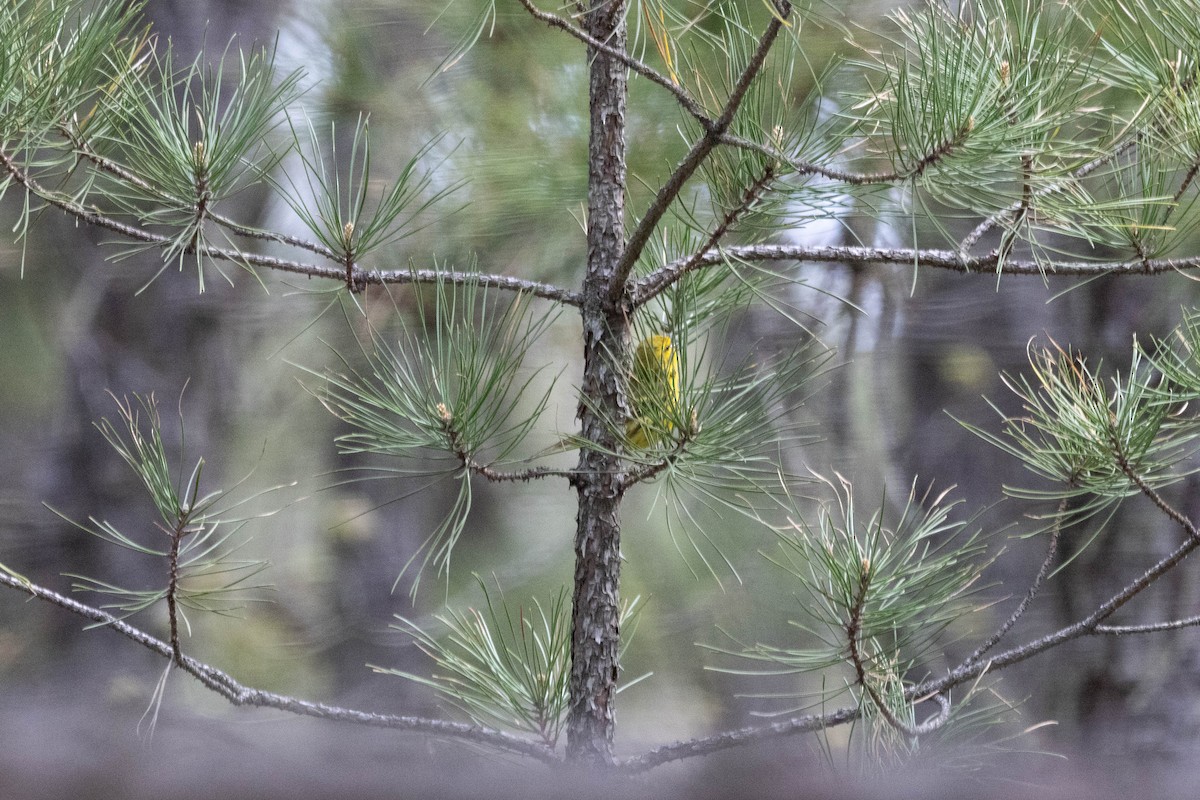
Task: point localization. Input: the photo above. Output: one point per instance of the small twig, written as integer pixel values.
(648, 471)
(742, 737)
(1146, 489)
(853, 629)
(1150, 627)
(463, 454)
(749, 197)
(802, 167)
(940, 151)
(173, 588)
(640, 67)
(995, 219)
(1043, 571)
(1188, 178)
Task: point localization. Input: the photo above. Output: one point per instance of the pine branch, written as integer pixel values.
(804, 168)
(241, 695)
(931, 258)
(1152, 627)
(1083, 171)
(742, 737)
(1189, 178)
(361, 276)
(697, 155)
(969, 670)
(546, 291)
(520, 475)
(859, 660)
(1085, 627)
(460, 450)
(1159, 501)
(964, 673)
(173, 589)
(648, 471)
(121, 173)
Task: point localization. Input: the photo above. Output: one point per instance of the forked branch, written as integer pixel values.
(699, 152)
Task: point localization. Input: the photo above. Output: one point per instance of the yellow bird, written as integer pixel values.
(653, 392)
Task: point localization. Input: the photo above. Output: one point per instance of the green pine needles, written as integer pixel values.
(196, 537)
(453, 389)
(506, 667)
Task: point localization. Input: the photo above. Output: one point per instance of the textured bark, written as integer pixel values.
(595, 637)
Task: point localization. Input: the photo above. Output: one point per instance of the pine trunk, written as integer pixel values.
(596, 609)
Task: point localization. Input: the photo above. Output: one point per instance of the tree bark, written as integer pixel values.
(596, 602)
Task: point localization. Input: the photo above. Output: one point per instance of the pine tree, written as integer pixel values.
(1012, 139)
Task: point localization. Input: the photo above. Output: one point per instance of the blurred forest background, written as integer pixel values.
(909, 355)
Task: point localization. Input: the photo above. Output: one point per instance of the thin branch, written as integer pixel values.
(647, 471)
(1043, 571)
(1188, 179)
(240, 695)
(853, 629)
(975, 235)
(1153, 627)
(362, 277)
(739, 738)
(939, 152)
(460, 451)
(697, 155)
(1166, 508)
(1087, 626)
(749, 197)
(908, 257)
(546, 291)
(173, 589)
(640, 67)
(520, 475)
(803, 168)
